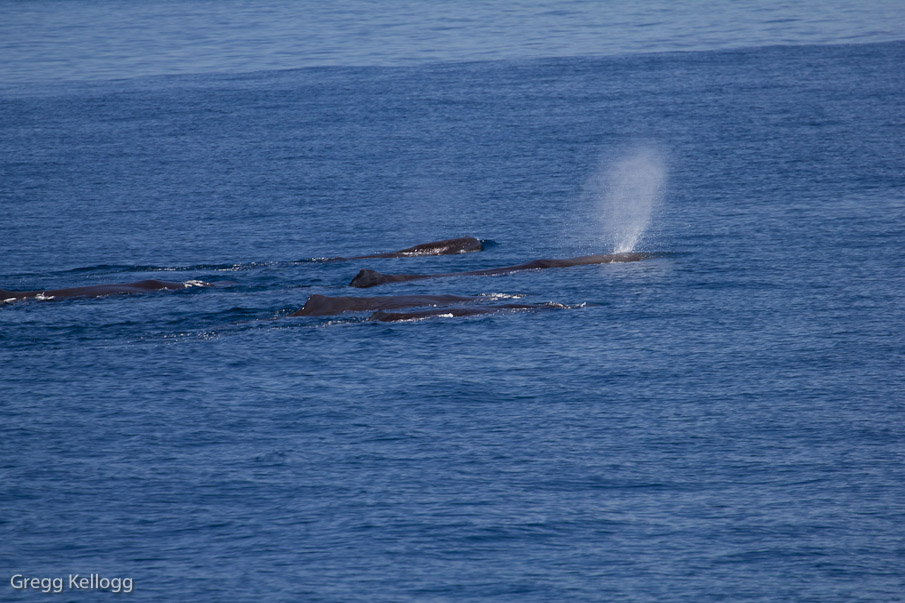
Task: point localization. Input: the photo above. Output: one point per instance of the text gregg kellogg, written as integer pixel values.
(73, 582)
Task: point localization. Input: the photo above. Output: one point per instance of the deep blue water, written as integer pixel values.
(104, 39)
(723, 422)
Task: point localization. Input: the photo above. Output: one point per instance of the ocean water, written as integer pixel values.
(725, 421)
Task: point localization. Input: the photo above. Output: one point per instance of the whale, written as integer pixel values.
(322, 305)
(444, 247)
(371, 278)
(384, 316)
(97, 290)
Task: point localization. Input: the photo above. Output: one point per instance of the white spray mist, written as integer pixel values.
(624, 194)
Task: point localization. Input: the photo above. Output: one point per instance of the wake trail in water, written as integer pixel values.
(105, 269)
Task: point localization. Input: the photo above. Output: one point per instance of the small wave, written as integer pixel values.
(497, 296)
(322, 260)
(128, 268)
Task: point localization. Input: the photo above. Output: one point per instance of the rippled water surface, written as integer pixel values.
(723, 421)
(102, 39)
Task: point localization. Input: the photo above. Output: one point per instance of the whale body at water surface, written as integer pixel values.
(322, 305)
(371, 278)
(444, 247)
(383, 316)
(97, 290)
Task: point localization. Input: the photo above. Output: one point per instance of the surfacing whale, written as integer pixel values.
(371, 278)
(383, 316)
(445, 247)
(322, 305)
(97, 290)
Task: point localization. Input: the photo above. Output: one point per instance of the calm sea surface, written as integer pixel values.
(725, 422)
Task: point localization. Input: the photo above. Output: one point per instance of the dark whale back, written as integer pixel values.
(444, 247)
(371, 278)
(447, 247)
(321, 305)
(382, 316)
(367, 278)
(95, 290)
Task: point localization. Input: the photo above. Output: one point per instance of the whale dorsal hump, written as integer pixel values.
(367, 278)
